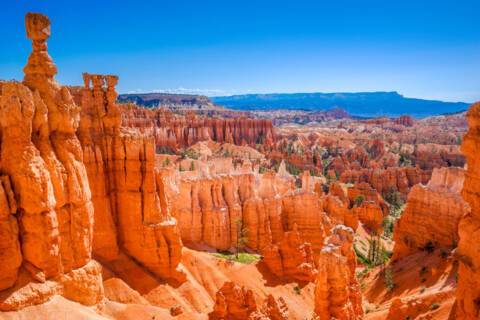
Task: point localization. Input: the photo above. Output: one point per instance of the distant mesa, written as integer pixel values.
(367, 104)
(169, 100)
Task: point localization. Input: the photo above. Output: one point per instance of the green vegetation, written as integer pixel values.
(358, 201)
(377, 254)
(435, 306)
(189, 154)
(293, 169)
(297, 290)
(242, 237)
(459, 140)
(388, 225)
(394, 198)
(360, 257)
(429, 247)
(389, 281)
(192, 166)
(164, 150)
(262, 168)
(405, 160)
(242, 257)
(166, 162)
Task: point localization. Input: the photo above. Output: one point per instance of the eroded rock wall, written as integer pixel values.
(432, 214)
(47, 212)
(468, 251)
(129, 196)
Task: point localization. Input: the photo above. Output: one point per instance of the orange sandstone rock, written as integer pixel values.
(41, 163)
(291, 259)
(233, 302)
(432, 214)
(468, 289)
(337, 293)
(129, 195)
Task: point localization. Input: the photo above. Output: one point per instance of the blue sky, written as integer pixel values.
(421, 48)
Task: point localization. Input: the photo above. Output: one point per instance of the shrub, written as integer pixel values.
(429, 247)
(435, 306)
(297, 290)
(359, 200)
(389, 281)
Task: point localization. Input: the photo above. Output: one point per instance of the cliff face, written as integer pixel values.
(291, 259)
(210, 209)
(432, 214)
(173, 132)
(399, 179)
(47, 213)
(337, 292)
(468, 290)
(131, 210)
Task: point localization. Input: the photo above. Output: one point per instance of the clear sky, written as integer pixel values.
(420, 48)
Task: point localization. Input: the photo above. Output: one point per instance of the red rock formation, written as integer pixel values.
(129, 196)
(468, 289)
(368, 205)
(211, 208)
(291, 259)
(233, 302)
(174, 131)
(337, 293)
(337, 205)
(399, 179)
(406, 121)
(432, 214)
(46, 206)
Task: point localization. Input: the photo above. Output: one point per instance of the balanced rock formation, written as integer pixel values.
(432, 214)
(337, 292)
(46, 207)
(468, 289)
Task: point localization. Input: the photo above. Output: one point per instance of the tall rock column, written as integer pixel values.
(337, 292)
(128, 192)
(45, 199)
(468, 251)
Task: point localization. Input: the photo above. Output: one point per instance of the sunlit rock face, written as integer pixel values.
(173, 132)
(131, 208)
(432, 214)
(337, 292)
(468, 252)
(47, 213)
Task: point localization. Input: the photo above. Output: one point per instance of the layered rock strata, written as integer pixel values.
(432, 214)
(233, 302)
(175, 132)
(46, 209)
(337, 292)
(468, 251)
(131, 210)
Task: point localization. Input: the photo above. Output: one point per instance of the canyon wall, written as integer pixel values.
(173, 132)
(468, 251)
(432, 214)
(131, 211)
(399, 179)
